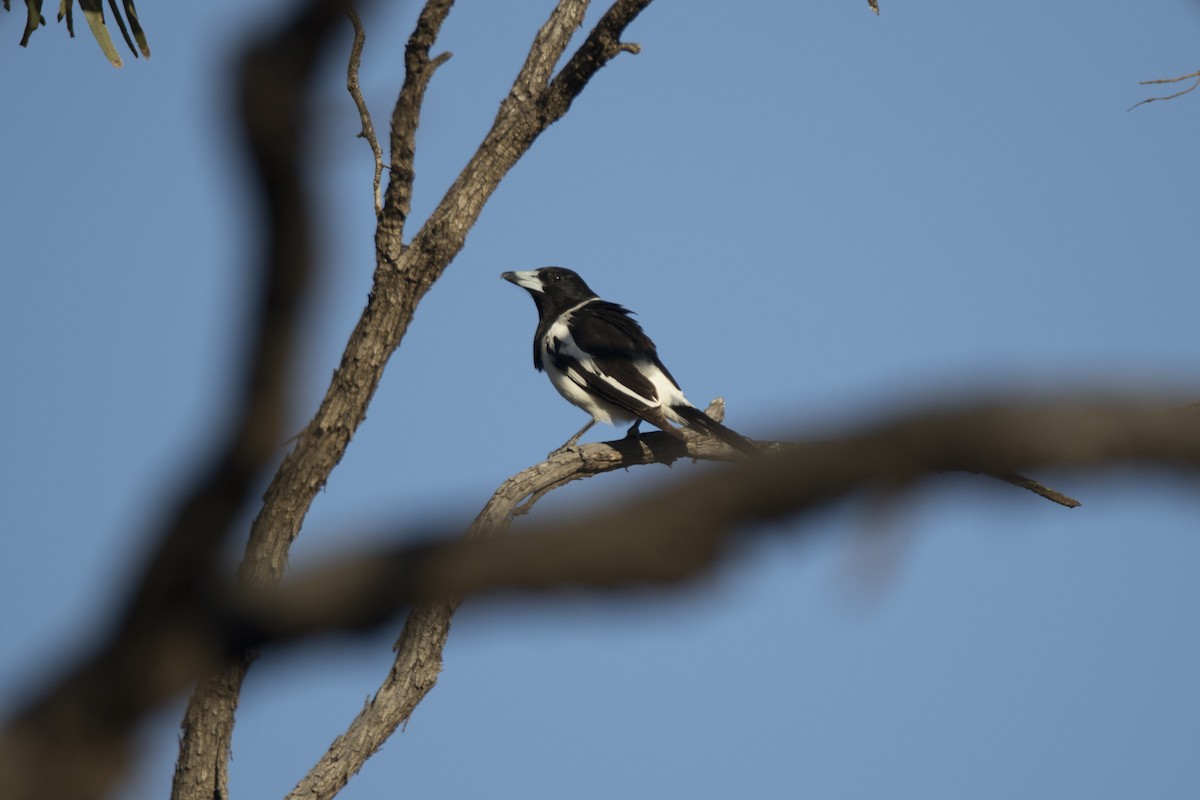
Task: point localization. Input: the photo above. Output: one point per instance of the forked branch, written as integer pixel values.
(1189, 76)
(355, 89)
(403, 273)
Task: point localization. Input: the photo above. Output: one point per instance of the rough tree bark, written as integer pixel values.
(403, 274)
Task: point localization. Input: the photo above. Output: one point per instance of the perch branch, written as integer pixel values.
(419, 649)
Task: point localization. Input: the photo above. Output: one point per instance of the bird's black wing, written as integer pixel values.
(613, 338)
(610, 355)
(622, 350)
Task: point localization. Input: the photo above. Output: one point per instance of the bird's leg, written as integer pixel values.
(571, 442)
(632, 433)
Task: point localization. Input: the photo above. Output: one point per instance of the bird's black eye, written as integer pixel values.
(556, 276)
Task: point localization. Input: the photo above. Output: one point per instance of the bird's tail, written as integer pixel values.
(695, 418)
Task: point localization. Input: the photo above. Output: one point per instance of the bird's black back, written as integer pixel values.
(609, 333)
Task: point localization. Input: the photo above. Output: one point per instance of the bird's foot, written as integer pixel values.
(569, 447)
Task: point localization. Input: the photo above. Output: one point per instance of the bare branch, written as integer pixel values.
(419, 649)
(601, 46)
(406, 115)
(1029, 484)
(275, 124)
(1195, 75)
(548, 46)
(209, 719)
(402, 276)
(364, 114)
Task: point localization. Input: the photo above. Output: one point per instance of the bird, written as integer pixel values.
(599, 359)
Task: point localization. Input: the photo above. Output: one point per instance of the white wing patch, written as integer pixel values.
(668, 393)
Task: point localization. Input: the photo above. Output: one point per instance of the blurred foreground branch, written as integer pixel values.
(75, 739)
(678, 532)
(659, 539)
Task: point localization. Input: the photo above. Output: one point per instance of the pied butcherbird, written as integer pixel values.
(599, 358)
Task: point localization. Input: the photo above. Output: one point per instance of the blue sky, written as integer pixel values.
(822, 216)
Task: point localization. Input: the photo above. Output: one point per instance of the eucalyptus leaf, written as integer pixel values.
(125, 14)
(93, 12)
(33, 18)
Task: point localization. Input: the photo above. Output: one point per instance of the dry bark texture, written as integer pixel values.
(403, 274)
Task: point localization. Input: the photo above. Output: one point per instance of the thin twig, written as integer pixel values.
(1022, 482)
(352, 84)
(1195, 75)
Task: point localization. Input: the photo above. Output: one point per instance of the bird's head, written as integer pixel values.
(553, 289)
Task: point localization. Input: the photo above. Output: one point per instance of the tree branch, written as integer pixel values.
(418, 660)
(659, 539)
(406, 115)
(419, 649)
(548, 46)
(679, 532)
(1020, 481)
(355, 89)
(1195, 75)
(402, 276)
(601, 46)
(276, 71)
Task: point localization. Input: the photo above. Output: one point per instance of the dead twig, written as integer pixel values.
(364, 114)
(1180, 93)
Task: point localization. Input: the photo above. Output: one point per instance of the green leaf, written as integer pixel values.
(33, 18)
(135, 26)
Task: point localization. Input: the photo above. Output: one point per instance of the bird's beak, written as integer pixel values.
(526, 280)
